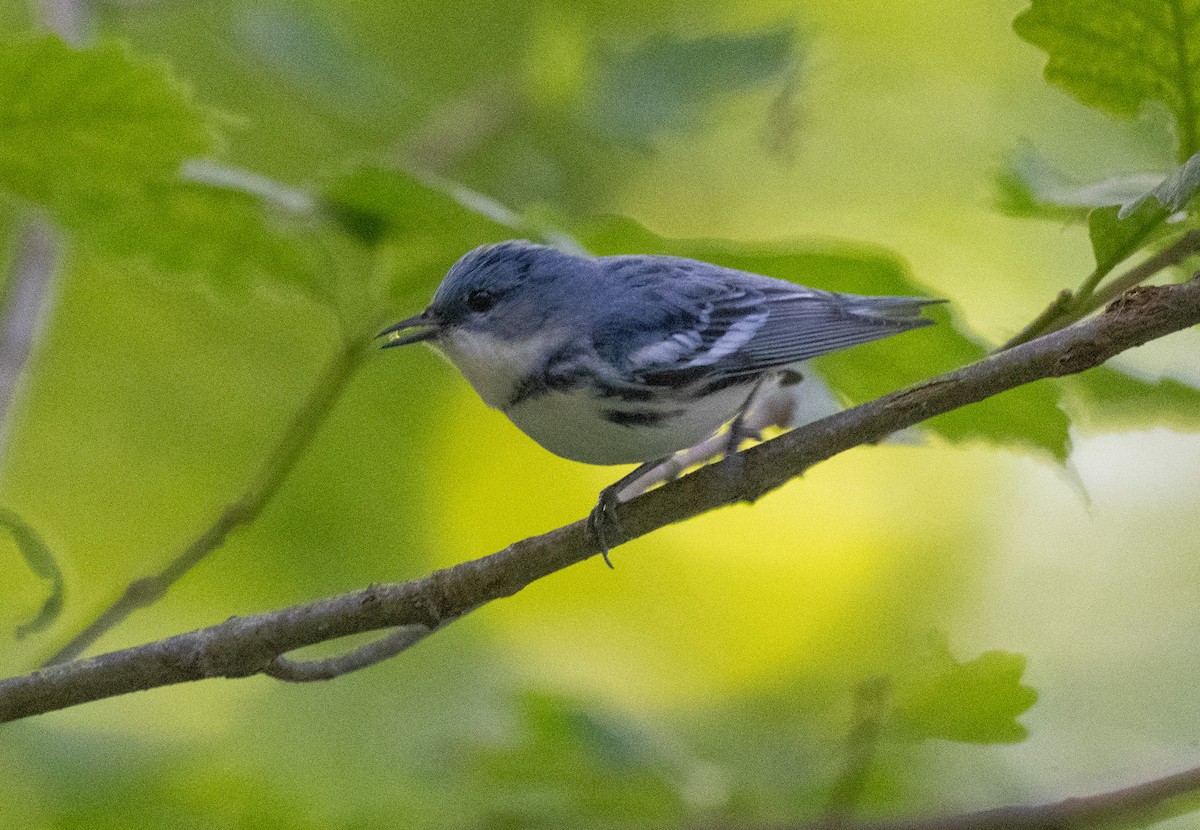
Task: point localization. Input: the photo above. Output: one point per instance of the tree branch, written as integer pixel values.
(244, 646)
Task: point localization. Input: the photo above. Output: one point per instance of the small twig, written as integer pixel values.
(278, 463)
(269, 191)
(241, 647)
(862, 745)
(1184, 247)
(1069, 307)
(27, 302)
(1058, 310)
(385, 648)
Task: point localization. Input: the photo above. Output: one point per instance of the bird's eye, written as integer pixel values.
(481, 300)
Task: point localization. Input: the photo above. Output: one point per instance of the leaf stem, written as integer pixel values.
(275, 469)
(1069, 307)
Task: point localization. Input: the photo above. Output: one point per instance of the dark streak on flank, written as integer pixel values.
(717, 384)
(640, 417)
(564, 371)
(628, 394)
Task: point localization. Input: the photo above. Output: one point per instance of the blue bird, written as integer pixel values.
(630, 359)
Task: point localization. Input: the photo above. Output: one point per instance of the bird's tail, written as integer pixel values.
(899, 313)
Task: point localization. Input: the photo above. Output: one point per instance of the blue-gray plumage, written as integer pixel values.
(627, 359)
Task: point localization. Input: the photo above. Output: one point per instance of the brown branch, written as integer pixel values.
(376, 651)
(244, 646)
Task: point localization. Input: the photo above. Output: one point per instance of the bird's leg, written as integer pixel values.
(737, 428)
(602, 521)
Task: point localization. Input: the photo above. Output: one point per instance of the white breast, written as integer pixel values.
(573, 425)
(492, 366)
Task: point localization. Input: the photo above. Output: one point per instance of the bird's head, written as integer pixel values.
(507, 290)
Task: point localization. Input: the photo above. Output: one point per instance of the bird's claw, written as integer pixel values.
(602, 521)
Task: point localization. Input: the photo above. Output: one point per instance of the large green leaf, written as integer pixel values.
(221, 238)
(98, 136)
(1027, 417)
(83, 122)
(1120, 56)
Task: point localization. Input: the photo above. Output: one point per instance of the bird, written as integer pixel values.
(631, 358)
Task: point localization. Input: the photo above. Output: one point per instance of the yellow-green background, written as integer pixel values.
(731, 644)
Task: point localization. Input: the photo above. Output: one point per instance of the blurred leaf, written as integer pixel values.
(1030, 186)
(373, 203)
(98, 137)
(976, 701)
(574, 145)
(667, 83)
(432, 226)
(41, 561)
(1117, 232)
(297, 45)
(1118, 57)
(1106, 398)
(565, 766)
(1175, 192)
(218, 237)
(81, 123)
(1027, 417)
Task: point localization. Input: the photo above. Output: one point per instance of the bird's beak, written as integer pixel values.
(427, 328)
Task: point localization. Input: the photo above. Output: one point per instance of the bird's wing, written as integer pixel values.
(694, 320)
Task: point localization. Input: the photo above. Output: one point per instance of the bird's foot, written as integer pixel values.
(602, 521)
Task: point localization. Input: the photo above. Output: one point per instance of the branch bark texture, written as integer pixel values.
(245, 646)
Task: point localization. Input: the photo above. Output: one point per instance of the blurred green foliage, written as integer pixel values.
(245, 187)
(1121, 57)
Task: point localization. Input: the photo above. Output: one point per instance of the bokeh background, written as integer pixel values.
(719, 672)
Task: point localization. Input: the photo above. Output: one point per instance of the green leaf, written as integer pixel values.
(218, 237)
(434, 226)
(84, 122)
(1118, 232)
(1118, 57)
(1027, 417)
(98, 137)
(41, 561)
(1115, 238)
(373, 203)
(976, 701)
(1106, 398)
